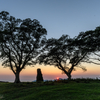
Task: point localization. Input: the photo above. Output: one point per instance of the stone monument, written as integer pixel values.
(39, 77)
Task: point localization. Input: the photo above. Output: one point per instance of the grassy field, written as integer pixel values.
(80, 89)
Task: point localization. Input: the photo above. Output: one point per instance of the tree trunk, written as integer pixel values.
(68, 74)
(17, 79)
(69, 77)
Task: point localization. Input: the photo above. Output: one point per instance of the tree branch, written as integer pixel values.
(16, 52)
(80, 59)
(96, 54)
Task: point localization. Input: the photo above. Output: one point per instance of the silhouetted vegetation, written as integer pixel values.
(64, 54)
(22, 41)
(90, 41)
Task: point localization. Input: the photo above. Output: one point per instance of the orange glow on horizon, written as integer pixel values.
(57, 78)
(51, 70)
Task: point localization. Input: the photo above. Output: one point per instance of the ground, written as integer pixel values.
(80, 89)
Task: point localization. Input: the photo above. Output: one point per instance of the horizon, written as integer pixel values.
(49, 73)
(58, 17)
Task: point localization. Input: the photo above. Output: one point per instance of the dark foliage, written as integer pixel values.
(22, 41)
(90, 41)
(64, 54)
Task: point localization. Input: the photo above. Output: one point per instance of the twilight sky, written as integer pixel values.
(58, 17)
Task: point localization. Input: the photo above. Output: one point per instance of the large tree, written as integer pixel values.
(64, 54)
(22, 41)
(90, 40)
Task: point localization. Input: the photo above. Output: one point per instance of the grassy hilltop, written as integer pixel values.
(79, 89)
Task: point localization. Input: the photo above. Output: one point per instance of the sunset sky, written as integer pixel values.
(58, 17)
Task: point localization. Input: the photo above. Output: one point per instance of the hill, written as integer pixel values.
(79, 89)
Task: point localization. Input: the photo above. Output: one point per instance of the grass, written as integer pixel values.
(79, 89)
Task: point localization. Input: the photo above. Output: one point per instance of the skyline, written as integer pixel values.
(58, 17)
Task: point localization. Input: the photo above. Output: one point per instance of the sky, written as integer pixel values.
(58, 17)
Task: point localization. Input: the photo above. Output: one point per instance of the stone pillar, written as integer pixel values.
(39, 77)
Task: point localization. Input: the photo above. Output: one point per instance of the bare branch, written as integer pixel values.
(93, 62)
(16, 55)
(96, 54)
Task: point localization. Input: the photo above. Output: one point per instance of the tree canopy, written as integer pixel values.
(22, 41)
(64, 54)
(90, 40)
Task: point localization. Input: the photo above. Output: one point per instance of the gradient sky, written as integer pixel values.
(58, 17)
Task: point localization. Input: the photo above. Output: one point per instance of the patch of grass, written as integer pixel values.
(79, 89)
(1, 97)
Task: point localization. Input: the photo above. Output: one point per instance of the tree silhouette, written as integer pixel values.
(90, 41)
(22, 41)
(64, 54)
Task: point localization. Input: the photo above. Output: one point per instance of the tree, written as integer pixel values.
(90, 40)
(22, 42)
(64, 54)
